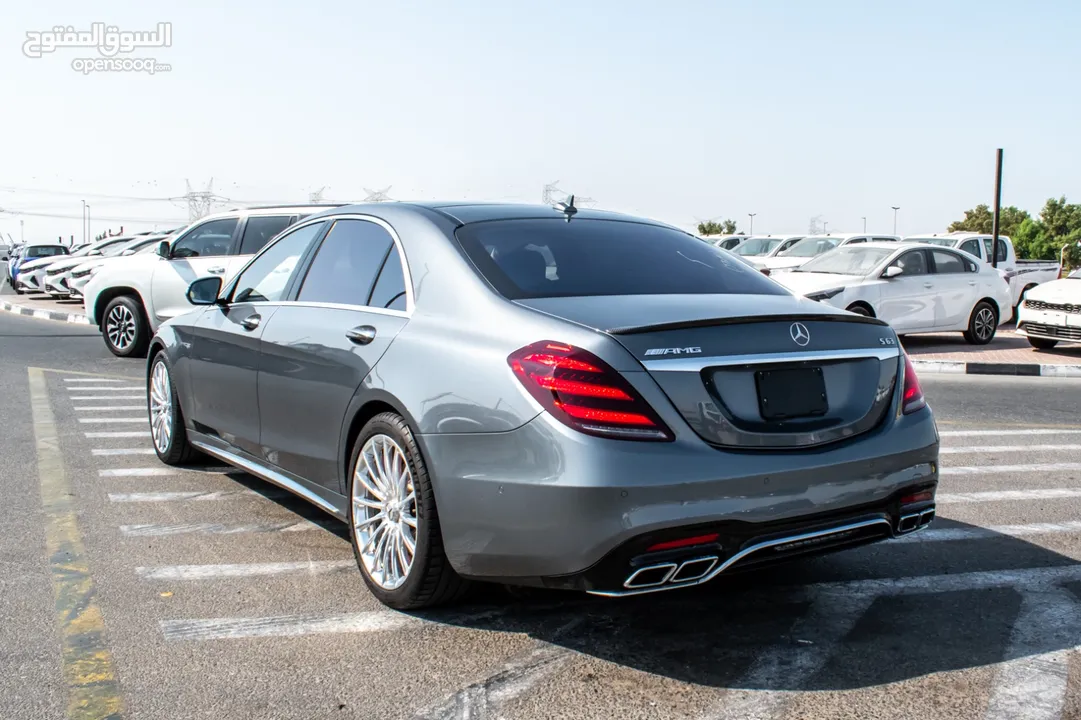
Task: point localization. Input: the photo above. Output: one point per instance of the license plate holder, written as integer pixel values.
(791, 393)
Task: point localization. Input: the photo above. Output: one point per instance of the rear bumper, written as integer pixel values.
(541, 505)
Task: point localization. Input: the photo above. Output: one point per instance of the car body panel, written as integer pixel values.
(1052, 311)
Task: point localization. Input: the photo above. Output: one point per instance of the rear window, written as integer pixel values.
(46, 251)
(555, 258)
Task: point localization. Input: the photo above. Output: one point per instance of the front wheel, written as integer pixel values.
(124, 327)
(982, 324)
(393, 523)
(166, 420)
(859, 310)
(1041, 344)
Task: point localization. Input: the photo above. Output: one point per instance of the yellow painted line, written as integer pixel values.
(137, 378)
(89, 672)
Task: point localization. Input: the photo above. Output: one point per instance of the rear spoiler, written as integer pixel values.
(745, 320)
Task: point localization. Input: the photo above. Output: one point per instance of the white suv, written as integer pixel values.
(130, 298)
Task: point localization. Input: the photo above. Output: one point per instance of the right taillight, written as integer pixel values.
(585, 393)
(912, 399)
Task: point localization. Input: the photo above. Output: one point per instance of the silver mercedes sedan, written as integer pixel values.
(544, 396)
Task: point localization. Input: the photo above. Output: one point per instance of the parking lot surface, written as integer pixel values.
(197, 593)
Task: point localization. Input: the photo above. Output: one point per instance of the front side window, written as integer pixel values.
(553, 258)
(259, 230)
(346, 264)
(210, 239)
(911, 263)
(266, 278)
(948, 263)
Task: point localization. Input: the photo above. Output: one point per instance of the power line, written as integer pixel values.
(41, 191)
(96, 217)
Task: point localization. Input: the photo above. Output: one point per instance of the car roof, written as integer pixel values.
(957, 235)
(267, 210)
(466, 212)
(40, 245)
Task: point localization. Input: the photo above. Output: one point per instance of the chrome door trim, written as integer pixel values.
(697, 364)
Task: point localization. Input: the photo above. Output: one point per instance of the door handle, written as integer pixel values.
(361, 335)
(972, 283)
(928, 285)
(251, 322)
(216, 270)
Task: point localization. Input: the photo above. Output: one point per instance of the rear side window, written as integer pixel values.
(346, 263)
(259, 230)
(389, 290)
(947, 262)
(988, 242)
(555, 258)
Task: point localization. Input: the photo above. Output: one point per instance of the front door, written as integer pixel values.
(318, 350)
(907, 300)
(204, 250)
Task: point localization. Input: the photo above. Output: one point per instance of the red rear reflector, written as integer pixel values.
(925, 496)
(913, 399)
(582, 391)
(685, 542)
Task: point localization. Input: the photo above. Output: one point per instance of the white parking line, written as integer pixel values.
(96, 408)
(87, 421)
(1009, 431)
(211, 572)
(107, 388)
(216, 529)
(1031, 684)
(118, 434)
(982, 533)
(102, 452)
(1006, 449)
(1002, 469)
(109, 397)
(93, 380)
(284, 626)
(1003, 495)
(193, 496)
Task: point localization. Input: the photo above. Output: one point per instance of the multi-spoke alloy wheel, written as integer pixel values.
(982, 324)
(385, 511)
(161, 407)
(120, 325)
(124, 327)
(985, 324)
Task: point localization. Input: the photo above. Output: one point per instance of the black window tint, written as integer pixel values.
(555, 258)
(207, 240)
(912, 263)
(345, 265)
(389, 292)
(988, 243)
(267, 277)
(856, 241)
(259, 230)
(972, 247)
(947, 262)
(884, 239)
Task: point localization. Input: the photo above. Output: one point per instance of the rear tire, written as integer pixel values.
(382, 528)
(860, 310)
(167, 430)
(1041, 344)
(124, 327)
(982, 324)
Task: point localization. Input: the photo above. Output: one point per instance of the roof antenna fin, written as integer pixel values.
(567, 207)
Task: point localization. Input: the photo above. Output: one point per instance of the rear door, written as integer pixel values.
(907, 300)
(955, 288)
(204, 250)
(317, 350)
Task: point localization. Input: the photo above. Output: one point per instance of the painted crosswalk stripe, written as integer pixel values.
(212, 572)
(987, 449)
(156, 530)
(104, 452)
(93, 380)
(109, 397)
(284, 626)
(87, 421)
(110, 408)
(1012, 495)
(118, 434)
(982, 533)
(182, 496)
(161, 471)
(1009, 469)
(1008, 431)
(107, 388)
(1031, 683)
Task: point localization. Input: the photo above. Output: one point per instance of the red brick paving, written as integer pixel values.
(1005, 348)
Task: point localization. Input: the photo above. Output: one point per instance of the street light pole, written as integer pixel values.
(84, 220)
(895, 208)
(750, 231)
(88, 221)
(825, 227)
(864, 224)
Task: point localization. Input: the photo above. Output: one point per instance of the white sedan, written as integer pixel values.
(1051, 313)
(916, 288)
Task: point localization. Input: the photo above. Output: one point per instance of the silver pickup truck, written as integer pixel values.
(1022, 275)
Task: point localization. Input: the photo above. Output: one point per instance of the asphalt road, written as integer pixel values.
(220, 598)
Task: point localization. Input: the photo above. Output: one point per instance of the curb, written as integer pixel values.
(75, 318)
(954, 367)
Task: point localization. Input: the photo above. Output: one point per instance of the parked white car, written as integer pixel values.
(1022, 275)
(77, 276)
(916, 288)
(764, 246)
(32, 275)
(1051, 313)
(814, 245)
(724, 242)
(130, 298)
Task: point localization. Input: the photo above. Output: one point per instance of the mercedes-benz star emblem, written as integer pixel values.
(800, 335)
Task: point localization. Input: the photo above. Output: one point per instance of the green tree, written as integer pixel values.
(710, 228)
(1058, 226)
(980, 219)
(728, 227)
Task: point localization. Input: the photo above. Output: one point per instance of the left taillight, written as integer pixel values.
(583, 392)
(912, 399)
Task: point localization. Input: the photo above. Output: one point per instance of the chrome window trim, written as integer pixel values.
(328, 306)
(699, 364)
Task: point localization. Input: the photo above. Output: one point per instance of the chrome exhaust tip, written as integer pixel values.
(694, 569)
(650, 576)
(908, 523)
(926, 517)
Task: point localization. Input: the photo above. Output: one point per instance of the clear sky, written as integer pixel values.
(676, 110)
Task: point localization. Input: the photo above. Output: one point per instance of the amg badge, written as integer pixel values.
(674, 351)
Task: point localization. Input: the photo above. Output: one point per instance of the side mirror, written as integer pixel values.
(164, 249)
(892, 271)
(204, 291)
(3, 258)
